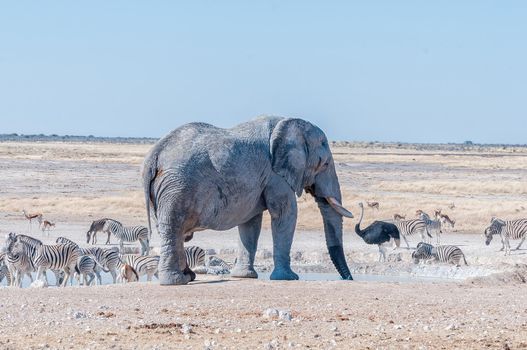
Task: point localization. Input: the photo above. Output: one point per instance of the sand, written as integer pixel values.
(482, 305)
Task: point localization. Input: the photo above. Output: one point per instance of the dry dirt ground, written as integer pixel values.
(483, 305)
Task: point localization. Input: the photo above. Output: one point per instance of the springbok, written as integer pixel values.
(373, 205)
(32, 216)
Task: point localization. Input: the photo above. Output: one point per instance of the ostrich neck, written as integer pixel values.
(357, 227)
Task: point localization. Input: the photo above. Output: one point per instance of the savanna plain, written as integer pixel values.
(421, 306)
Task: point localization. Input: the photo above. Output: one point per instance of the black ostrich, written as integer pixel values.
(379, 232)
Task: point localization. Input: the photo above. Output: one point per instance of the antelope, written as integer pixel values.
(373, 205)
(399, 216)
(444, 218)
(30, 217)
(46, 225)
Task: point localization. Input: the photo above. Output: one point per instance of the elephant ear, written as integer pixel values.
(289, 152)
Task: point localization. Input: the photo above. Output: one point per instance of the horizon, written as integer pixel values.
(414, 72)
(5, 136)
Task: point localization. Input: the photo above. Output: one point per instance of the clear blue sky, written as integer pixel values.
(414, 71)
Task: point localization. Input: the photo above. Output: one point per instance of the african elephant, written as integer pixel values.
(202, 177)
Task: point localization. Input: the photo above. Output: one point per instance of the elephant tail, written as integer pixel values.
(149, 175)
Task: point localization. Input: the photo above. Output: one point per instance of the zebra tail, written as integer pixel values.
(102, 267)
(465, 260)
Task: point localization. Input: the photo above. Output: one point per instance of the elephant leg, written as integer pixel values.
(249, 233)
(281, 203)
(172, 255)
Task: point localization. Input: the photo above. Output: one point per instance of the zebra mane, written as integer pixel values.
(28, 240)
(115, 221)
(64, 240)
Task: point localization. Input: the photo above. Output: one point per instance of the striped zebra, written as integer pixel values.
(511, 229)
(56, 257)
(64, 240)
(20, 251)
(88, 267)
(410, 227)
(24, 251)
(217, 266)
(433, 226)
(108, 259)
(141, 264)
(98, 226)
(148, 265)
(195, 256)
(129, 234)
(442, 253)
(4, 273)
(4, 270)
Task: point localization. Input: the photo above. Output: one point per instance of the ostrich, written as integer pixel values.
(379, 232)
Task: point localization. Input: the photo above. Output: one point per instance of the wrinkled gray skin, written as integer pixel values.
(202, 177)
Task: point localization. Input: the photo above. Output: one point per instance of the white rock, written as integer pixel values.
(38, 284)
(451, 327)
(186, 328)
(270, 313)
(285, 315)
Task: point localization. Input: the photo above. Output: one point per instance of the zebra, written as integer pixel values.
(4, 270)
(512, 229)
(432, 225)
(23, 250)
(56, 257)
(4, 273)
(442, 253)
(86, 267)
(98, 226)
(108, 259)
(141, 264)
(217, 266)
(20, 251)
(64, 240)
(195, 256)
(410, 227)
(148, 265)
(129, 234)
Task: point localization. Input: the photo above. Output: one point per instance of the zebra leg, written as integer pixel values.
(406, 241)
(249, 233)
(114, 275)
(98, 281)
(108, 239)
(507, 246)
(521, 242)
(145, 246)
(41, 271)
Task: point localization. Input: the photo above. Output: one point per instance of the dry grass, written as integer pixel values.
(481, 184)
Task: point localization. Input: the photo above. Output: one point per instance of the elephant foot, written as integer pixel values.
(190, 273)
(243, 272)
(171, 278)
(283, 274)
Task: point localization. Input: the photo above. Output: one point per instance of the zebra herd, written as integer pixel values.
(425, 226)
(24, 255)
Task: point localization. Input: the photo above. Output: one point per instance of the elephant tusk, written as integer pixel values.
(339, 208)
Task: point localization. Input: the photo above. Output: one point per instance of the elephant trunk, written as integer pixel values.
(333, 232)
